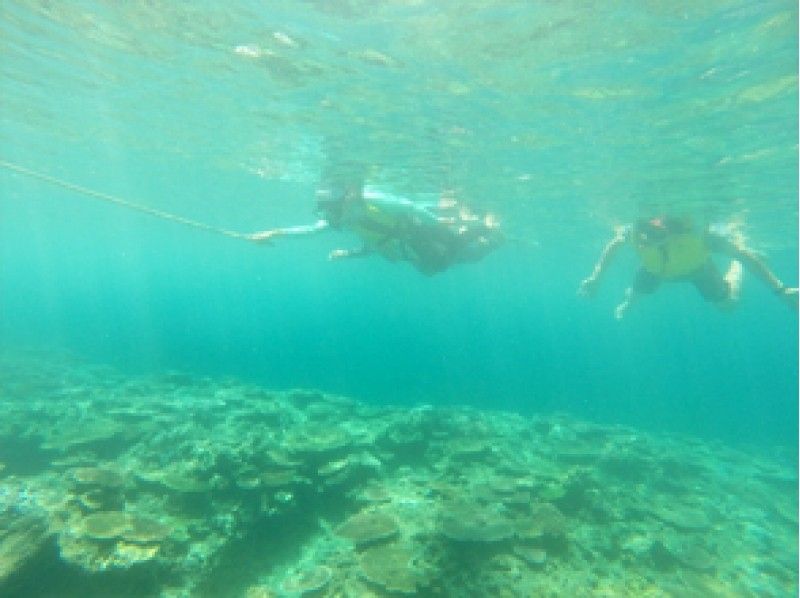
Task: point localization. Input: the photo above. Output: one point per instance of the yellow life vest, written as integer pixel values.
(679, 254)
(376, 226)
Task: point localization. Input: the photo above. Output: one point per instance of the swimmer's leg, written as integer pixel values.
(733, 278)
(644, 284)
(622, 308)
(722, 291)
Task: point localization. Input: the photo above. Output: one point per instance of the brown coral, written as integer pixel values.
(308, 582)
(105, 525)
(366, 527)
(144, 530)
(391, 566)
(474, 523)
(98, 476)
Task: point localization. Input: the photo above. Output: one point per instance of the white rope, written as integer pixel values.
(119, 201)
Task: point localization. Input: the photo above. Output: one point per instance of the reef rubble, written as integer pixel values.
(175, 486)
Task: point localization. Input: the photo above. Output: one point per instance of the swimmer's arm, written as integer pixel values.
(736, 248)
(589, 284)
(266, 236)
(339, 254)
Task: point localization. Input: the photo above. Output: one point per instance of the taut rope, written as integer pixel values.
(119, 201)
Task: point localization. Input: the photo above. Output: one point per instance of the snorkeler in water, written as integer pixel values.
(466, 237)
(671, 249)
(431, 237)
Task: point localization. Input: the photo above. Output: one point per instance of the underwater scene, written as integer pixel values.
(380, 298)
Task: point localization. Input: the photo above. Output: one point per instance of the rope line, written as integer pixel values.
(120, 202)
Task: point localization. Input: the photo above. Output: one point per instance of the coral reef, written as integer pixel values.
(367, 527)
(177, 485)
(308, 582)
(391, 567)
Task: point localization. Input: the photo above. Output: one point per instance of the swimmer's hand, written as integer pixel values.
(338, 254)
(619, 310)
(588, 287)
(264, 236)
(789, 296)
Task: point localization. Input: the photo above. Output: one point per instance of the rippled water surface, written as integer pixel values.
(550, 111)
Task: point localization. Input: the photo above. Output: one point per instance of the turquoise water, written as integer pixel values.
(562, 119)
